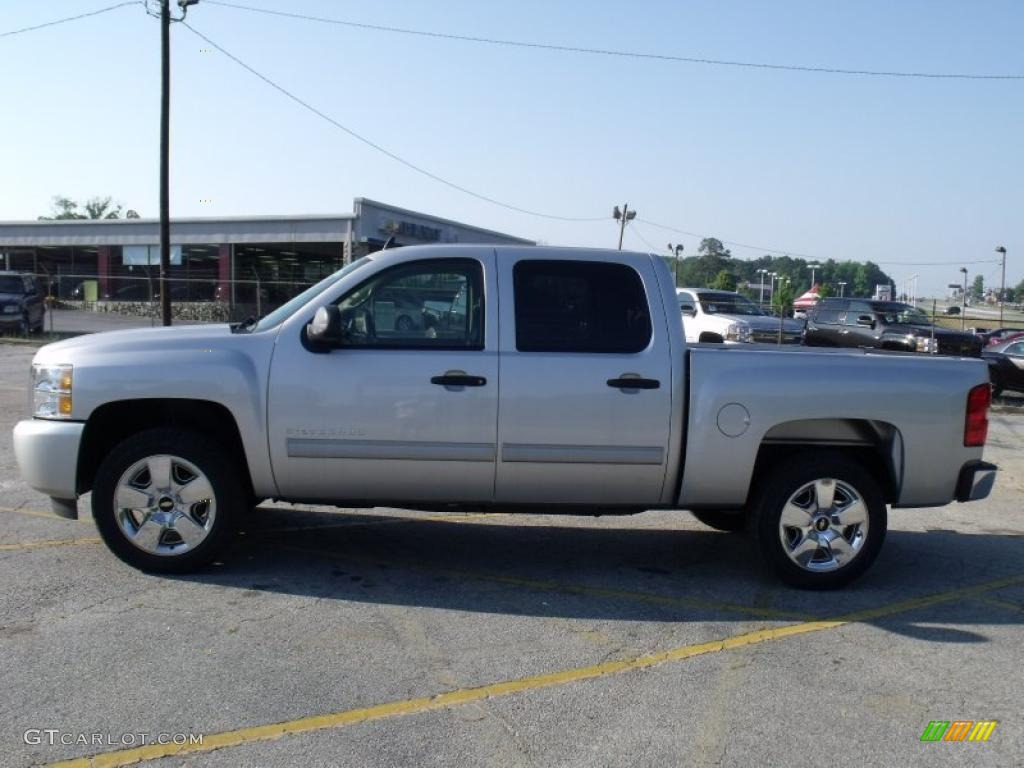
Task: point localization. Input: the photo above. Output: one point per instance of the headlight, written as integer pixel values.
(738, 332)
(927, 345)
(51, 391)
(11, 309)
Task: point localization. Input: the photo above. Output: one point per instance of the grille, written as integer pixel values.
(772, 337)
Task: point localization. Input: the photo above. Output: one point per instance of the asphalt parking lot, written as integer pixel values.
(384, 637)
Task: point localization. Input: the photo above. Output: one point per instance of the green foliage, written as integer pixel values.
(978, 288)
(703, 270)
(782, 301)
(724, 281)
(825, 290)
(94, 208)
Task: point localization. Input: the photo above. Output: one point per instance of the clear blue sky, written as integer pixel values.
(891, 170)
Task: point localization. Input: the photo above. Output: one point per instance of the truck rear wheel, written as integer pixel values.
(730, 522)
(819, 520)
(167, 500)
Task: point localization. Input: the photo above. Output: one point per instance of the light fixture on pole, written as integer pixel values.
(1002, 285)
(623, 216)
(842, 288)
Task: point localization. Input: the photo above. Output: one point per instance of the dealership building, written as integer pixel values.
(241, 261)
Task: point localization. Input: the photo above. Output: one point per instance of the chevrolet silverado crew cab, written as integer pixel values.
(725, 317)
(534, 378)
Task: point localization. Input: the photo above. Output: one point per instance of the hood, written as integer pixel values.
(11, 296)
(765, 322)
(134, 340)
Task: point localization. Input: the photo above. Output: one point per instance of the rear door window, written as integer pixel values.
(580, 306)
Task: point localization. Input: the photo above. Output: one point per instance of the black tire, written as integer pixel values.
(783, 482)
(730, 522)
(229, 496)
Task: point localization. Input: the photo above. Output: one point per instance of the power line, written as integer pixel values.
(70, 18)
(373, 145)
(762, 248)
(621, 54)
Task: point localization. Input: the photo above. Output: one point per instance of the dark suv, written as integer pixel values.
(21, 303)
(883, 325)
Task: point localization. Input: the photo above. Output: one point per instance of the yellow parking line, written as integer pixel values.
(37, 513)
(545, 585)
(534, 682)
(1002, 604)
(48, 543)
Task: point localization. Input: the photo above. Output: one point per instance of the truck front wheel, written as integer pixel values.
(819, 520)
(167, 500)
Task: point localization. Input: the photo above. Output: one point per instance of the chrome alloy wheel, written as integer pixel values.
(824, 525)
(164, 505)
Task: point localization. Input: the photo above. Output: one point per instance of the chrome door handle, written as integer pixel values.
(458, 380)
(633, 382)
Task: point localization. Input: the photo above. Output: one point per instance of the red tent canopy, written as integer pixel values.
(807, 300)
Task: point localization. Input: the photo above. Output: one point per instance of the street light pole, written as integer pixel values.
(842, 288)
(813, 267)
(963, 310)
(1002, 285)
(762, 273)
(675, 250)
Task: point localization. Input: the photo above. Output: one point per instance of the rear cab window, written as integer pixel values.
(580, 306)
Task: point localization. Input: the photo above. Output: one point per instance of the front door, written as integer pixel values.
(586, 382)
(406, 409)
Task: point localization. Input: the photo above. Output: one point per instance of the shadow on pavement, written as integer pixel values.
(603, 573)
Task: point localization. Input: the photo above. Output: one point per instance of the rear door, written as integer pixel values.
(585, 402)
(825, 324)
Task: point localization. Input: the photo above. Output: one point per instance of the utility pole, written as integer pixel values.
(165, 151)
(813, 267)
(1002, 284)
(675, 250)
(622, 217)
(165, 138)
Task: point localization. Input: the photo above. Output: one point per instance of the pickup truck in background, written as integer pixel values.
(554, 380)
(725, 317)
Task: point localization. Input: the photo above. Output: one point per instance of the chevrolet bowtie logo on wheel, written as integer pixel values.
(959, 730)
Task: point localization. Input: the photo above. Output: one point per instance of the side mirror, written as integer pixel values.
(688, 309)
(866, 320)
(325, 327)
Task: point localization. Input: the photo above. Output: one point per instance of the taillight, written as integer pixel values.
(976, 423)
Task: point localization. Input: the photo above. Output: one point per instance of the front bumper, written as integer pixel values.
(975, 481)
(47, 455)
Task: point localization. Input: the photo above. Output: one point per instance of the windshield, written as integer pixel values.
(11, 284)
(902, 314)
(727, 304)
(280, 314)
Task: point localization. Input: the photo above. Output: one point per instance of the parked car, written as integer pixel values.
(886, 325)
(22, 307)
(999, 335)
(727, 317)
(562, 382)
(1006, 365)
(953, 310)
(133, 291)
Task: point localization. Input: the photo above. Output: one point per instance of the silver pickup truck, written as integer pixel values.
(504, 378)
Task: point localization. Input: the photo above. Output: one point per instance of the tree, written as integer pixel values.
(724, 281)
(824, 290)
(95, 208)
(978, 288)
(782, 301)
